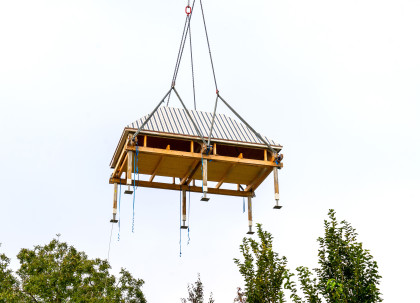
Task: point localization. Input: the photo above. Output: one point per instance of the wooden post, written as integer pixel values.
(250, 232)
(205, 188)
(276, 187)
(115, 204)
(145, 141)
(184, 209)
(129, 172)
(192, 146)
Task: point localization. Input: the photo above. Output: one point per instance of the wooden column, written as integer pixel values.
(115, 204)
(250, 232)
(184, 209)
(205, 188)
(129, 172)
(276, 187)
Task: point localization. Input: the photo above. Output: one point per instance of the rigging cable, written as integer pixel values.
(208, 44)
(182, 45)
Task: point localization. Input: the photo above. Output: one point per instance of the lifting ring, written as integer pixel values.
(188, 10)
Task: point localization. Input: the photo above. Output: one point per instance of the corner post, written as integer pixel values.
(129, 168)
(184, 209)
(205, 188)
(250, 232)
(114, 207)
(276, 187)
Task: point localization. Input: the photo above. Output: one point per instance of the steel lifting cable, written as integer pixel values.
(192, 66)
(188, 10)
(208, 45)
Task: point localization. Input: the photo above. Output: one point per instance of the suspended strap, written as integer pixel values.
(109, 244)
(119, 213)
(189, 208)
(180, 222)
(136, 170)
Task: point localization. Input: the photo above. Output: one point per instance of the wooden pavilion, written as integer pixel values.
(170, 144)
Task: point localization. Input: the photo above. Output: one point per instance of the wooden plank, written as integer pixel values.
(120, 158)
(177, 187)
(226, 174)
(262, 175)
(181, 154)
(119, 170)
(156, 169)
(191, 172)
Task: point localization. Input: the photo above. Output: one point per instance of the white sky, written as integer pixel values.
(335, 82)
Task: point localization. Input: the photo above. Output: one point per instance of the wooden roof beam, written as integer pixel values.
(196, 189)
(199, 156)
(156, 169)
(259, 178)
(227, 172)
(188, 177)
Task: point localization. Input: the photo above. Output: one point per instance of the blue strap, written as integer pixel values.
(134, 191)
(243, 208)
(189, 208)
(119, 213)
(180, 218)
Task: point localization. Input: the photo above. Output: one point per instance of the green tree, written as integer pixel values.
(196, 293)
(265, 273)
(347, 272)
(9, 285)
(58, 272)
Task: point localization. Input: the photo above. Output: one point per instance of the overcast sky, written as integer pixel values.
(335, 82)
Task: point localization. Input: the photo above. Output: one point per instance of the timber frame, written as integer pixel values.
(181, 158)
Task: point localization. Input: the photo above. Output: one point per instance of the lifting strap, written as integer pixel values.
(119, 213)
(136, 171)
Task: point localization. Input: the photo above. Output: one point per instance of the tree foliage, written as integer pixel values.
(196, 293)
(347, 272)
(58, 272)
(265, 273)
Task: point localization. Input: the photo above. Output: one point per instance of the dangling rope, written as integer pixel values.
(136, 170)
(189, 208)
(119, 213)
(180, 222)
(110, 238)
